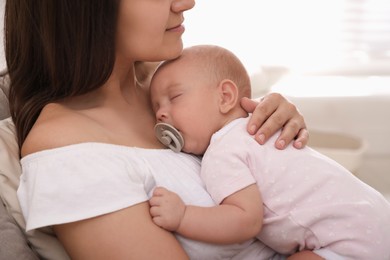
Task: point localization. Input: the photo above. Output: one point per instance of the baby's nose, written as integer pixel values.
(161, 115)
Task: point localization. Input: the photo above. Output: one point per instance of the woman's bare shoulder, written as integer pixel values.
(59, 126)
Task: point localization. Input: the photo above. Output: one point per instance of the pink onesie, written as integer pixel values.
(310, 201)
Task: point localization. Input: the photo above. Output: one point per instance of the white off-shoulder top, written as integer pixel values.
(85, 180)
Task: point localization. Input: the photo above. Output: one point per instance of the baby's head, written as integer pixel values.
(199, 92)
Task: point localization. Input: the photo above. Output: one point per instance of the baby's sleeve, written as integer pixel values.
(226, 169)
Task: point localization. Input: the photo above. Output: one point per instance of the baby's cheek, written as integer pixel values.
(189, 146)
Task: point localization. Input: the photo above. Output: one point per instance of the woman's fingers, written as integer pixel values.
(302, 139)
(272, 113)
(260, 113)
(293, 132)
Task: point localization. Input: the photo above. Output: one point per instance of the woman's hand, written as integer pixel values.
(272, 113)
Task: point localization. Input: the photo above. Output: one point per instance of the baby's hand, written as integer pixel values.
(166, 208)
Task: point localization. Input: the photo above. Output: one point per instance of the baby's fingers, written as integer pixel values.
(158, 221)
(155, 211)
(159, 191)
(155, 201)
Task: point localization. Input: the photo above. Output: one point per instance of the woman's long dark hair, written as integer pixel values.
(56, 49)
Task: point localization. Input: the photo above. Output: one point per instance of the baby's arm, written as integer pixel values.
(238, 218)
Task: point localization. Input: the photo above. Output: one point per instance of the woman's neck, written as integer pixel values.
(122, 108)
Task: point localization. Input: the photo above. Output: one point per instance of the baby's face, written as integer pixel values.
(182, 99)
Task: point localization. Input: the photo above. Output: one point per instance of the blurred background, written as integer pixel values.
(329, 57)
(347, 37)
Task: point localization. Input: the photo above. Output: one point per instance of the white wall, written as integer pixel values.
(361, 109)
(365, 117)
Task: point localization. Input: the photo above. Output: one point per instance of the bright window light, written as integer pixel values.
(322, 36)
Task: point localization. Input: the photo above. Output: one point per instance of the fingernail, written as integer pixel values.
(281, 143)
(298, 145)
(252, 129)
(261, 138)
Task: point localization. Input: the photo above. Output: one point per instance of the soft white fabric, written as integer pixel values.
(310, 201)
(80, 181)
(328, 254)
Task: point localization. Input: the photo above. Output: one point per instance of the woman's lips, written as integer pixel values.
(179, 28)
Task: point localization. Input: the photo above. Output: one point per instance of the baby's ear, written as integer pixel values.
(228, 92)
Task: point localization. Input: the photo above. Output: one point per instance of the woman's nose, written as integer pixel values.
(182, 5)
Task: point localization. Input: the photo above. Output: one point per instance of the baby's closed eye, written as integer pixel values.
(175, 96)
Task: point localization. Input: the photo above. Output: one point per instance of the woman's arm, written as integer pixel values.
(305, 255)
(238, 218)
(124, 234)
(272, 113)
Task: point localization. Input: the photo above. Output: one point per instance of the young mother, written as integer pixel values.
(85, 126)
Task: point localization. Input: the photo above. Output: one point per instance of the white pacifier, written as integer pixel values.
(169, 136)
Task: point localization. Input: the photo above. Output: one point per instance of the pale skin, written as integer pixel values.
(213, 104)
(119, 112)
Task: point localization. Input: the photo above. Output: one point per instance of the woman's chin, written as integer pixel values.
(174, 51)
